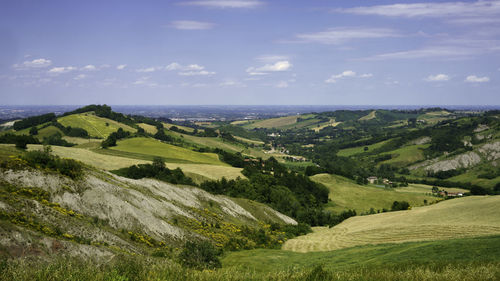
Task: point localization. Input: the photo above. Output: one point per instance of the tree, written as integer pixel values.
(34, 131)
(158, 163)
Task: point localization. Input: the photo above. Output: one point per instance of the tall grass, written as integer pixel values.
(137, 268)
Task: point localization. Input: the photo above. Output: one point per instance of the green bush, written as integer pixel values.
(200, 255)
(43, 159)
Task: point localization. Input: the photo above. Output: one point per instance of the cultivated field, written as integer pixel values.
(456, 218)
(370, 116)
(148, 128)
(346, 194)
(94, 125)
(171, 153)
(102, 161)
(273, 122)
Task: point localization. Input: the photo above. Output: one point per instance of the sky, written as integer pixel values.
(255, 52)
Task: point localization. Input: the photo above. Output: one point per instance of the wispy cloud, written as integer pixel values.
(89, 67)
(145, 81)
(232, 83)
(336, 36)
(36, 63)
(346, 74)
(246, 4)
(272, 58)
(121, 66)
(192, 25)
(437, 78)
(426, 52)
(274, 67)
(80, 77)
(281, 84)
(197, 73)
(476, 79)
(62, 69)
(434, 10)
(149, 69)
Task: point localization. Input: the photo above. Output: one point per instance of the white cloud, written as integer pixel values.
(335, 77)
(475, 79)
(225, 3)
(121, 66)
(197, 73)
(191, 25)
(148, 69)
(145, 81)
(173, 66)
(346, 74)
(272, 58)
(336, 36)
(89, 67)
(440, 52)
(80, 77)
(437, 78)
(434, 10)
(36, 63)
(62, 69)
(232, 83)
(282, 84)
(275, 67)
(194, 67)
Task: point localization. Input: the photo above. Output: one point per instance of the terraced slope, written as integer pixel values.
(462, 217)
(94, 125)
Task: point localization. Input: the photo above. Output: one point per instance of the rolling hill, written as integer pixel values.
(461, 217)
(345, 194)
(97, 127)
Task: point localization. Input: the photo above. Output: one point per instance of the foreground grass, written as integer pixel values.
(479, 250)
(461, 259)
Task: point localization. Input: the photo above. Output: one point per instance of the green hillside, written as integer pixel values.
(97, 127)
(462, 217)
(150, 148)
(345, 194)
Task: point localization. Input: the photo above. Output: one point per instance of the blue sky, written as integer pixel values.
(250, 52)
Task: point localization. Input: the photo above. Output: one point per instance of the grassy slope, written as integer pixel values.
(346, 194)
(148, 128)
(479, 249)
(151, 147)
(94, 125)
(456, 218)
(369, 116)
(187, 129)
(406, 155)
(360, 149)
(210, 142)
(273, 122)
(106, 162)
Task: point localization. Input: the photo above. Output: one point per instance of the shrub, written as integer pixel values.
(200, 255)
(400, 205)
(43, 159)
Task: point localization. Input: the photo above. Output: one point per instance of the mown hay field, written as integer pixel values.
(148, 128)
(171, 153)
(457, 218)
(94, 125)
